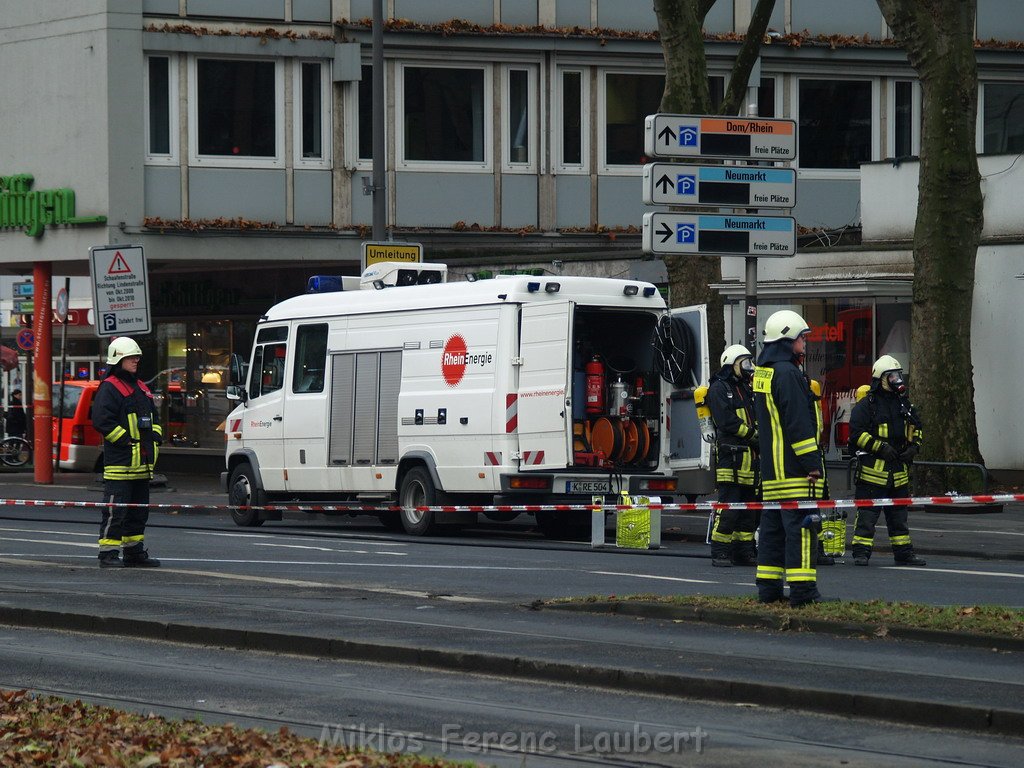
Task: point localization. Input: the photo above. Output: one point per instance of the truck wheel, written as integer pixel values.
(243, 492)
(417, 491)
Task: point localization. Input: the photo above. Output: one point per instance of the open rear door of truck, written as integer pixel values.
(545, 348)
(689, 455)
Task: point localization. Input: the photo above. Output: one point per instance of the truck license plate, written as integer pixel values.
(588, 486)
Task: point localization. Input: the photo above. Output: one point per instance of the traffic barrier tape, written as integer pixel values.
(703, 506)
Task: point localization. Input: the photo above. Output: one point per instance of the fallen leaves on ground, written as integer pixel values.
(49, 731)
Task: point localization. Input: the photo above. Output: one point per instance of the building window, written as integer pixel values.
(313, 112)
(903, 114)
(766, 97)
(1003, 115)
(445, 114)
(161, 113)
(628, 99)
(365, 112)
(520, 125)
(835, 123)
(237, 109)
(572, 133)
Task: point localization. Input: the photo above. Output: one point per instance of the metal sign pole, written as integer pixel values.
(750, 267)
(63, 302)
(380, 209)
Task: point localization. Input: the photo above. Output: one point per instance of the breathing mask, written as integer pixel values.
(894, 381)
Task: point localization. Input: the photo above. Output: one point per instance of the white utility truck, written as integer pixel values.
(400, 387)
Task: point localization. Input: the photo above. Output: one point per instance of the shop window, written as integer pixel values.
(445, 114)
(313, 112)
(572, 123)
(836, 123)
(236, 109)
(1003, 127)
(161, 113)
(310, 358)
(628, 99)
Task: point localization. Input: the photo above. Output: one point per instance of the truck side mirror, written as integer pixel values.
(235, 392)
(237, 373)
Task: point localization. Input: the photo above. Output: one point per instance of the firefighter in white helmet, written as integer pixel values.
(792, 466)
(731, 401)
(887, 433)
(124, 413)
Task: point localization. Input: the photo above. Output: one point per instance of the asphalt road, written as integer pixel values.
(348, 578)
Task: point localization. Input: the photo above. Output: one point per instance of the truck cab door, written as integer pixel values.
(263, 420)
(689, 455)
(545, 338)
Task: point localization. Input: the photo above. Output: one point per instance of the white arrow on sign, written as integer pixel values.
(719, 186)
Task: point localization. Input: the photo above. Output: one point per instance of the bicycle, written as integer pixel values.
(15, 451)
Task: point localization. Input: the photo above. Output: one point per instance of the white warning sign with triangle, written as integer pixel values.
(120, 290)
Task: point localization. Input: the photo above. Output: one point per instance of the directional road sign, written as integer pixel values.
(120, 290)
(375, 253)
(740, 138)
(24, 306)
(719, 235)
(24, 290)
(739, 186)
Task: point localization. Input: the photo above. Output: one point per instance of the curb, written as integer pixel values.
(727, 618)
(868, 706)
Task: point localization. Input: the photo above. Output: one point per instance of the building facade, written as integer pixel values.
(233, 141)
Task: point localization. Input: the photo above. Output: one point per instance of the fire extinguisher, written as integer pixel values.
(594, 371)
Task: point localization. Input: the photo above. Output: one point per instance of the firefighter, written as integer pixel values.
(124, 413)
(792, 467)
(886, 431)
(731, 401)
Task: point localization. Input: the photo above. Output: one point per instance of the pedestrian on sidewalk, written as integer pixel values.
(792, 468)
(731, 401)
(123, 412)
(887, 433)
(15, 422)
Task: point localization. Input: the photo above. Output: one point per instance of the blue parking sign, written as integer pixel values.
(688, 135)
(686, 184)
(686, 233)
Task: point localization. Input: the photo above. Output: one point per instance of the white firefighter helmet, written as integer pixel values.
(734, 353)
(883, 365)
(120, 348)
(784, 324)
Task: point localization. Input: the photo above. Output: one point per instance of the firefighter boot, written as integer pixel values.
(140, 559)
(906, 556)
(743, 553)
(861, 554)
(111, 560)
(720, 555)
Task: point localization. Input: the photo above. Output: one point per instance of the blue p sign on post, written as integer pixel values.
(688, 135)
(686, 184)
(686, 233)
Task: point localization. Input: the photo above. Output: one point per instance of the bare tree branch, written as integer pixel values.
(746, 58)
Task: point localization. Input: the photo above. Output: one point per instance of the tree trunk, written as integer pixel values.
(938, 36)
(686, 92)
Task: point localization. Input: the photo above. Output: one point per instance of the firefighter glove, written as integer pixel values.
(908, 454)
(888, 453)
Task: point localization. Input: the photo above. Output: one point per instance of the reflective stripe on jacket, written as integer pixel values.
(119, 409)
(732, 410)
(875, 421)
(788, 430)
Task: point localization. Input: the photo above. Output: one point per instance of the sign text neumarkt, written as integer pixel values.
(120, 290)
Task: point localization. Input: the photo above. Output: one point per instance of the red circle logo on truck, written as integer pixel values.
(453, 360)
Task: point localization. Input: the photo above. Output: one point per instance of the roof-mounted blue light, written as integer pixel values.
(324, 284)
(649, 291)
(533, 287)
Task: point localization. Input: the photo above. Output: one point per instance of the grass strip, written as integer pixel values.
(38, 730)
(983, 620)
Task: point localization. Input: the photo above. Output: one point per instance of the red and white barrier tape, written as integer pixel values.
(704, 506)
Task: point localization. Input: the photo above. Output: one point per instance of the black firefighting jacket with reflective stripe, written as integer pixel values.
(788, 428)
(732, 409)
(121, 411)
(876, 420)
